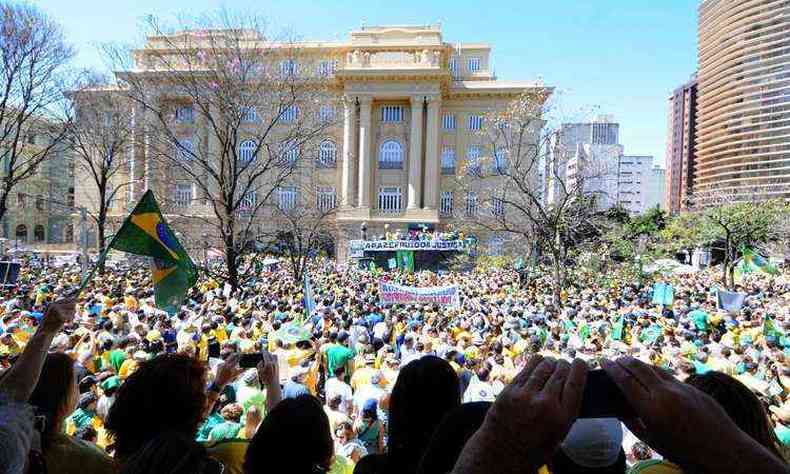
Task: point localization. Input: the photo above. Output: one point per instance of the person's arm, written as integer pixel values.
(226, 373)
(685, 425)
(528, 420)
(269, 377)
(21, 379)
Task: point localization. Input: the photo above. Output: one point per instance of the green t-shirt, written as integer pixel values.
(700, 319)
(225, 430)
(338, 356)
(783, 433)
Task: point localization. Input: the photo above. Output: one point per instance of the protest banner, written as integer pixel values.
(357, 248)
(393, 293)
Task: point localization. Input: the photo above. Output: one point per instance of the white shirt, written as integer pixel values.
(336, 387)
(478, 391)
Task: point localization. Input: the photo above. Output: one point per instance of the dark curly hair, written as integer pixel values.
(166, 393)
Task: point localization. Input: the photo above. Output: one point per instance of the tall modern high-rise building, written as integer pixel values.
(681, 155)
(590, 159)
(743, 128)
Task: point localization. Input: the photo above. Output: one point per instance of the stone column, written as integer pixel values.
(347, 178)
(432, 178)
(415, 153)
(364, 151)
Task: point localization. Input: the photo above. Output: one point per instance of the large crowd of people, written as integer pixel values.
(246, 381)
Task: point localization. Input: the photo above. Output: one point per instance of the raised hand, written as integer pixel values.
(268, 369)
(685, 425)
(58, 315)
(529, 419)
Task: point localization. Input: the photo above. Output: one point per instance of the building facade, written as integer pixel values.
(681, 144)
(743, 133)
(410, 107)
(40, 207)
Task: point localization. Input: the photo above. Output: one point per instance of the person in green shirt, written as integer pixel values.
(340, 355)
(230, 427)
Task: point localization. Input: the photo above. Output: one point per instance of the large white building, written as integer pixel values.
(590, 158)
(409, 108)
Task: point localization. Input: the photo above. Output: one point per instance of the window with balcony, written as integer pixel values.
(249, 114)
(183, 195)
(391, 113)
(290, 114)
(325, 198)
(475, 122)
(185, 114)
(286, 198)
(471, 203)
(473, 167)
(247, 150)
(248, 201)
(289, 68)
(185, 149)
(497, 207)
(390, 200)
(391, 155)
(455, 71)
(473, 64)
(446, 204)
(500, 161)
(448, 160)
(326, 68)
(327, 154)
(326, 113)
(448, 122)
(289, 154)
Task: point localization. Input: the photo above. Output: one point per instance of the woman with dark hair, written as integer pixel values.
(427, 389)
(741, 404)
(171, 453)
(294, 437)
(54, 398)
(164, 394)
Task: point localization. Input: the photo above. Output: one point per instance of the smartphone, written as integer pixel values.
(249, 361)
(603, 398)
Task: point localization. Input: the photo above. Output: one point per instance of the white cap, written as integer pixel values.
(594, 442)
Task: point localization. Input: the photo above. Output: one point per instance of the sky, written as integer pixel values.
(616, 57)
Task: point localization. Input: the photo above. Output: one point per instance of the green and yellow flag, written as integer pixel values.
(146, 233)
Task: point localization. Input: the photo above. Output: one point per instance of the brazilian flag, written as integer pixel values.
(405, 259)
(752, 261)
(146, 233)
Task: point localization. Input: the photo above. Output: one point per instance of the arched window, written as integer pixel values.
(327, 154)
(247, 151)
(391, 155)
(21, 233)
(38, 233)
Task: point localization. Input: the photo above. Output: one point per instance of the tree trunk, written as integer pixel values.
(725, 265)
(3, 210)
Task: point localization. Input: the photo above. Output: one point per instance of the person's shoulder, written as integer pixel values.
(654, 466)
(68, 454)
(229, 452)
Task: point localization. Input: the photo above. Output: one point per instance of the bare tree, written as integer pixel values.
(522, 185)
(100, 138)
(32, 77)
(303, 224)
(255, 106)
